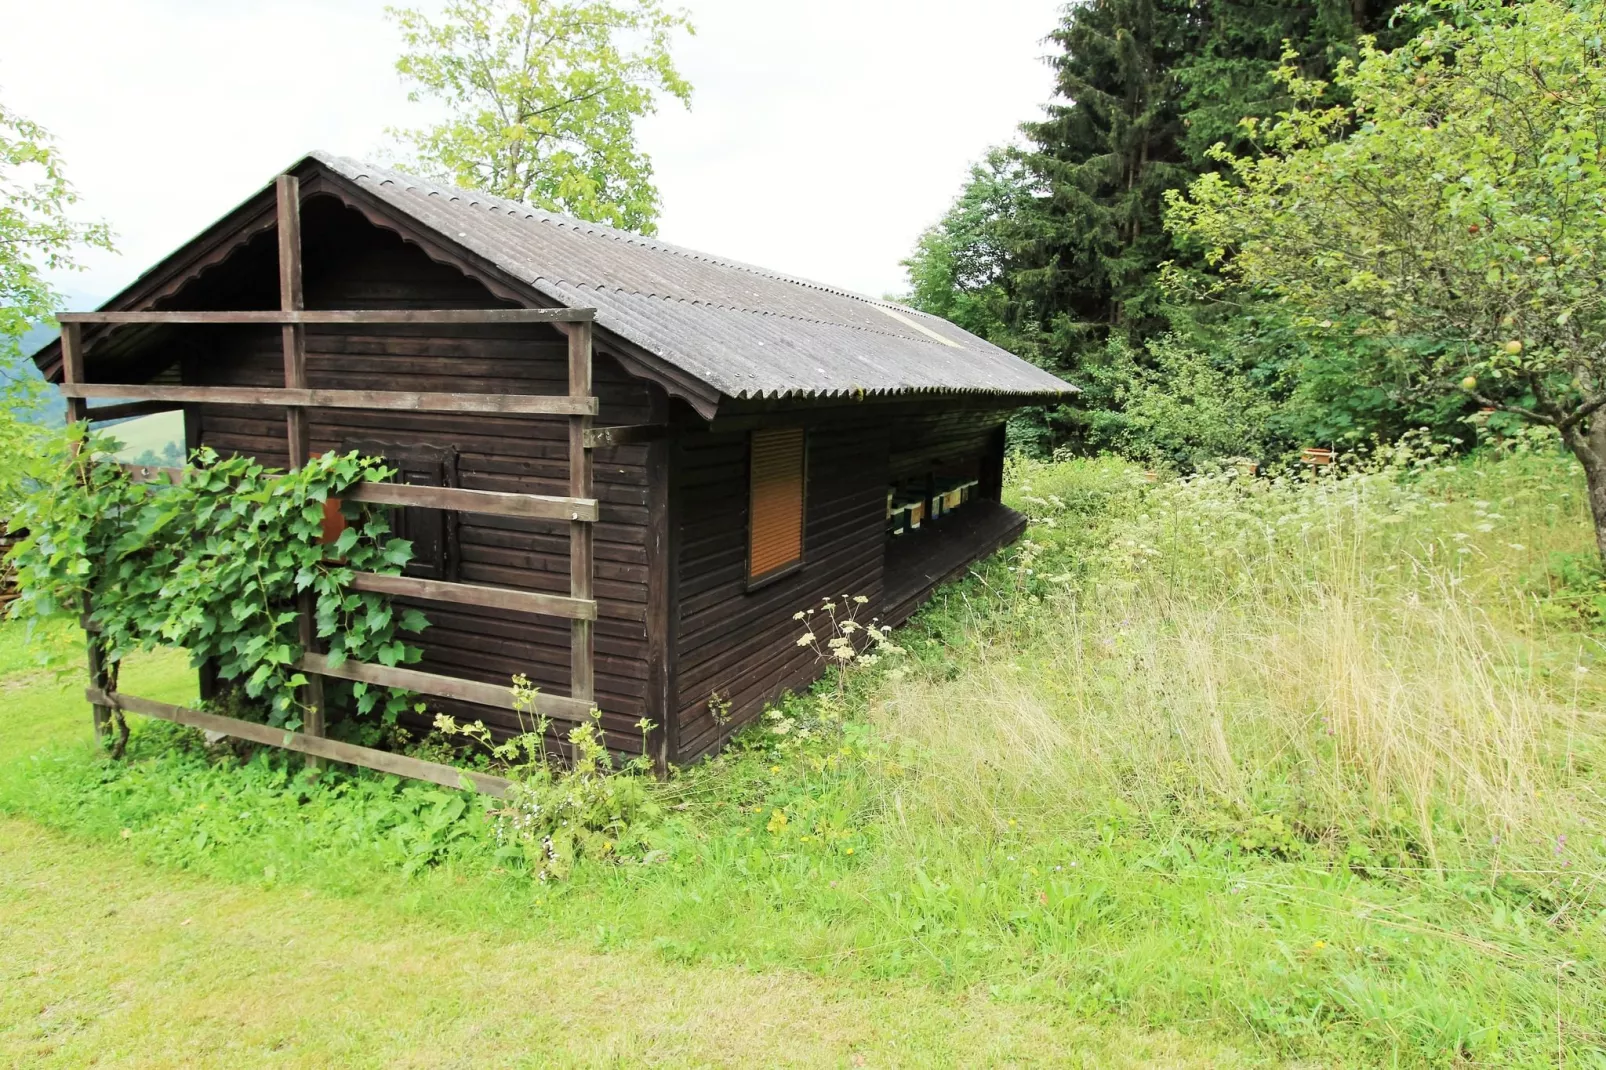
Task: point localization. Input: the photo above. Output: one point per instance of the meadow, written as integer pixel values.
(1208, 771)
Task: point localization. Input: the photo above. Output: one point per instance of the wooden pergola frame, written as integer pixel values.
(579, 507)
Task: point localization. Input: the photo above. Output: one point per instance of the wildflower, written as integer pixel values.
(798, 615)
(850, 850)
(1318, 945)
(860, 599)
(774, 769)
(805, 639)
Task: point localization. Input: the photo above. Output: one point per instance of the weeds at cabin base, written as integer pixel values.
(1306, 763)
(554, 815)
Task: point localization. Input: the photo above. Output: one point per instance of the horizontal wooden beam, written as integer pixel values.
(367, 757)
(555, 707)
(489, 502)
(131, 409)
(282, 397)
(468, 594)
(624, 435)
(316, 317)
(495, 503)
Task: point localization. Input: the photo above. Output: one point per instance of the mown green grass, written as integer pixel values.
(1327, 796)
(149, 434)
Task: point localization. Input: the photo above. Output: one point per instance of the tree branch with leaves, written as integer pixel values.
(544, 99)
(37, 232)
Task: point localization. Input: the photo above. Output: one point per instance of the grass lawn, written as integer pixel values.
(111, 961)
(149, 434)
(1200, 774)
(119, 964)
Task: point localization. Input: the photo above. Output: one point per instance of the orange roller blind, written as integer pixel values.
(776, 524)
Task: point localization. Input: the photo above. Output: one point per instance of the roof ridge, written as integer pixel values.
(544, 215)
(748, 311)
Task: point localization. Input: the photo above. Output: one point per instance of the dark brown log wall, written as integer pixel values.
(353, 265)
(742, 644)
(948, 438)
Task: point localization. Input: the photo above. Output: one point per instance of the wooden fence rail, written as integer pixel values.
(426, 317)
(304, 398)
(317, 746)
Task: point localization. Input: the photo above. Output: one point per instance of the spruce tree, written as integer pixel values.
(1103, 155)
(1227, 75)
(1143, 89)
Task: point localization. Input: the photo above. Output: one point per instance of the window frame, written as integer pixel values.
(751, 582)
(400, 455)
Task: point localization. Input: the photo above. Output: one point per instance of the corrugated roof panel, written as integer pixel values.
(743, 330)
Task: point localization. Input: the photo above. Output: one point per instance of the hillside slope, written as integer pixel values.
(1236, 772)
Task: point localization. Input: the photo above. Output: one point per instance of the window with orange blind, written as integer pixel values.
(775, 510)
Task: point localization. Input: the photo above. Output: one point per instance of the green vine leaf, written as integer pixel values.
(214, 565)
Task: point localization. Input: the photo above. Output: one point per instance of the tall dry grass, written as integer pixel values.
(1370, 657)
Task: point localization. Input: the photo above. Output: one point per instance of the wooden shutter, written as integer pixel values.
(776, 517)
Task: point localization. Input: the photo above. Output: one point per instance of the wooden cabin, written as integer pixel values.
(758, 442)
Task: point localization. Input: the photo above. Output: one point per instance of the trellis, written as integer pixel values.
(578, 507)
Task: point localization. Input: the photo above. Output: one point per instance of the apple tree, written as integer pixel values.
(1460, 197)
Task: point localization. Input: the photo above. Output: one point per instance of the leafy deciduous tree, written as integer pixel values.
(544, 96)
(37, 232)
(959, 266)
(1461, 197)
(37, 235)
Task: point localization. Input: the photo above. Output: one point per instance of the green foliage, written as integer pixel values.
(959, 266)
(1460, 199)
(544, 99)
(37, 231)
(1054, 252)
(1173, 404)
(185, 803)
(592, 808)
(1106, 151)
(1230, 72)
(213, 565)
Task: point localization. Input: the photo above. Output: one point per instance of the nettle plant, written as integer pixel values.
(214, 565)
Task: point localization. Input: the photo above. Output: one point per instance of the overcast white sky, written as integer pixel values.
(823, 134)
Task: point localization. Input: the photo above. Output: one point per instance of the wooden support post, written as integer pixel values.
(292, 299)
(582, 640)
(72, 371)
